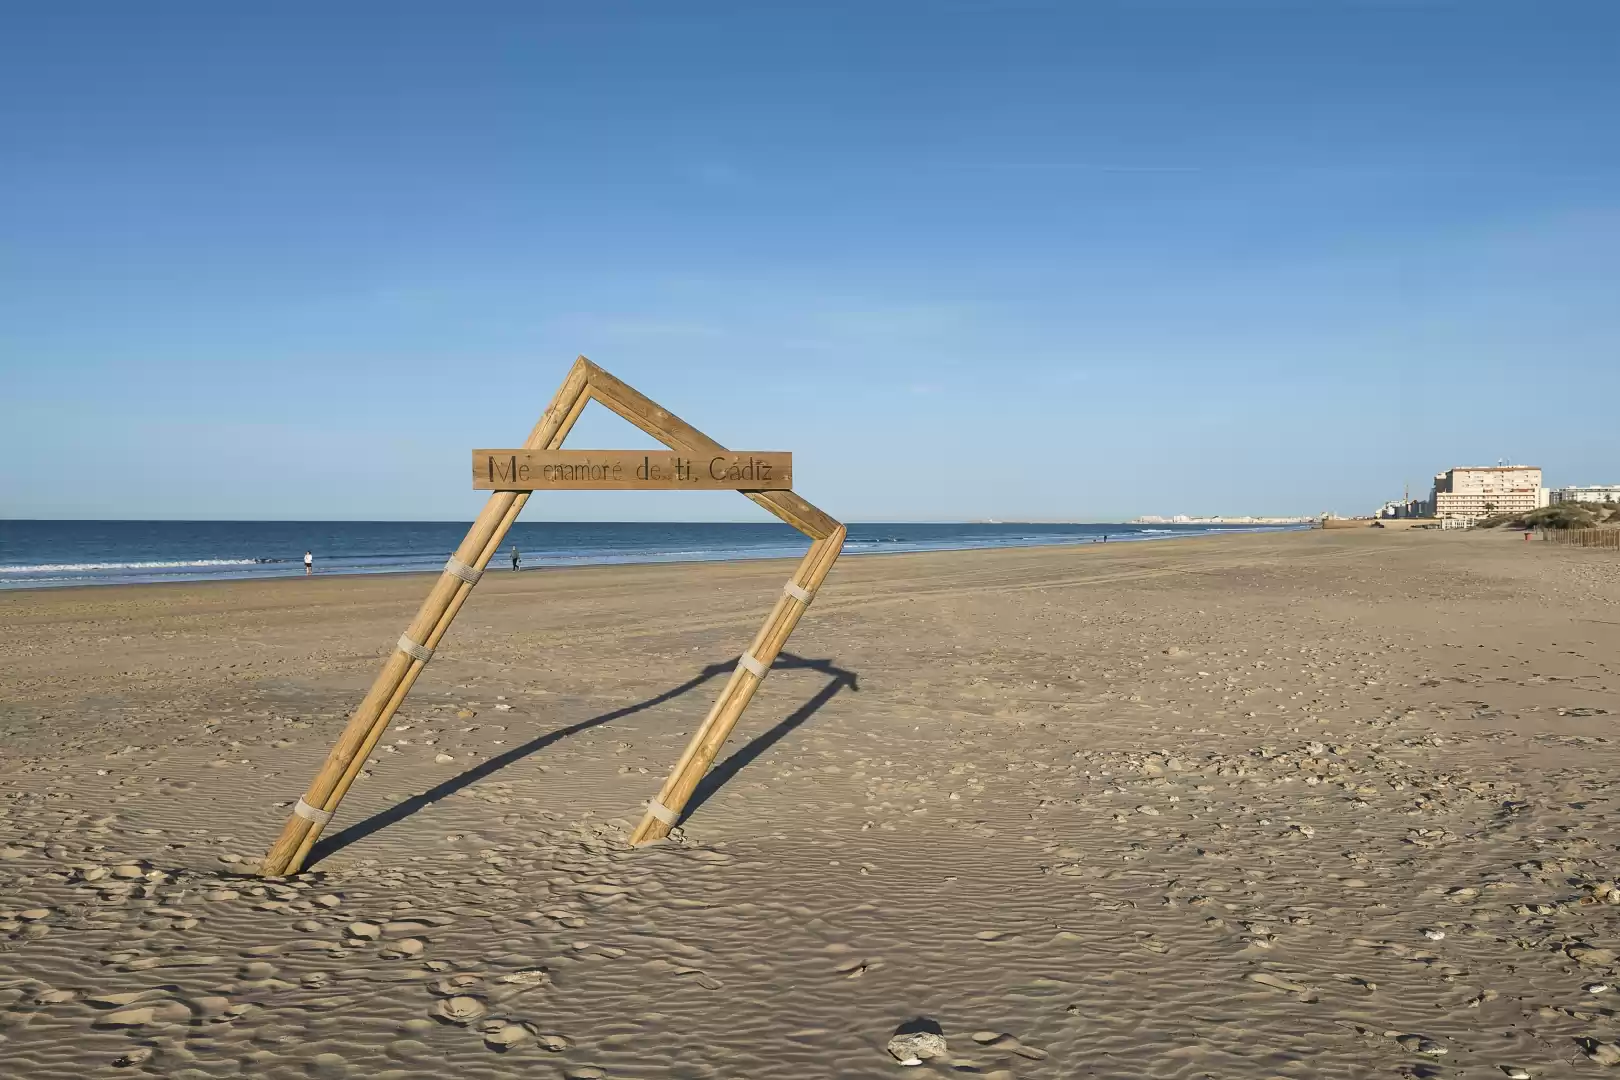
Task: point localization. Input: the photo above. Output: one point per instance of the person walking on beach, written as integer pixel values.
(309, 563)
(515, 558)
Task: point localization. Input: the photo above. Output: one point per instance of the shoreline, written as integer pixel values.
(1184, 532)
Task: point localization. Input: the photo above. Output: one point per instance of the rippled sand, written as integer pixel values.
(1306, 805)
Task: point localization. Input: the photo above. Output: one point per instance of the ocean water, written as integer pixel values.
(37, 554)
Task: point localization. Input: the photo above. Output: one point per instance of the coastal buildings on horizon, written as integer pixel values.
(1470, 493)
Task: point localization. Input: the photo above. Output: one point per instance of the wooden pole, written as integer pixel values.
(490, 549)
(400, 670)
(739, 691)
(357, 763)
(365, 728)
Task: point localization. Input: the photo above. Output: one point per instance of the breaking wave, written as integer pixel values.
(179, 564)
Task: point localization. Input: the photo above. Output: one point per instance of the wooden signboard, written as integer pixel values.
(631, 470)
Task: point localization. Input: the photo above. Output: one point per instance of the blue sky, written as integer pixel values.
(1070, 260)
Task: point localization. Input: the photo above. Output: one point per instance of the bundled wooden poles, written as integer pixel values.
(399, 672)
(664, 811)
(585, 382)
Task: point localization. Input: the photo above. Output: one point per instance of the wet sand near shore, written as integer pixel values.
(1270, 805)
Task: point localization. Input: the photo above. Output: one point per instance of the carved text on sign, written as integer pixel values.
(631, 470)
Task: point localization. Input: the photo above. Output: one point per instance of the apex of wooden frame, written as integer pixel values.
(677, 434)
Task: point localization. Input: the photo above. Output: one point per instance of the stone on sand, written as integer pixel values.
(915, 1047)
(525, 977)
(1421, 1044)
(1590, 955)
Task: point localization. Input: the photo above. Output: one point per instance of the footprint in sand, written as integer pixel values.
(460, 1009)
(503, 1035)
(699, 977)
(409, 1051)
(1277, 982)
(140, 1055)
(1420, 1044)
(997, 1040)
(1151, 943)
(327, 1067)
(695, 974)
(166, 1012)
(452, 985)
(156, 1008)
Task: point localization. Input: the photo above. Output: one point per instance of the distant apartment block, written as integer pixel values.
(1593, 493)
(1470, 492)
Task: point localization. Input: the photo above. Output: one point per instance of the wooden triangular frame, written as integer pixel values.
(585, 382)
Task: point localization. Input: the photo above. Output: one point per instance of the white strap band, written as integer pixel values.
(411, 648)
(469, 574)
(309, 813)
(798, 592)
(747, 662)
(662, 812)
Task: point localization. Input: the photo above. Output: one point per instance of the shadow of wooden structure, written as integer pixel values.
(586, 382)
(837, 680)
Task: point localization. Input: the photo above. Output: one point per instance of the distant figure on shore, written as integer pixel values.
(516, 559)
(309, 563)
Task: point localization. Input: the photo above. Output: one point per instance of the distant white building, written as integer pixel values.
(1592, 493)
(1405, 508)
(1470, 492)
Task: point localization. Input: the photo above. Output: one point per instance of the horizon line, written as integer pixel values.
(1159, 519)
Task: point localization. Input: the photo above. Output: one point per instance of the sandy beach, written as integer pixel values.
(1288, 805)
